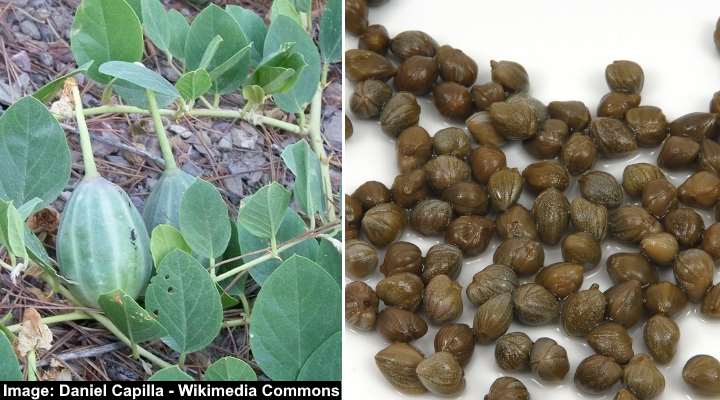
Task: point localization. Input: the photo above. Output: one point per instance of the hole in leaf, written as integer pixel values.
(167, 276)
(171, 289)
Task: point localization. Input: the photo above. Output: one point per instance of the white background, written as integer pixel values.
(565, 46)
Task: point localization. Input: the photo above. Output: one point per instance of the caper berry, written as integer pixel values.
(493, 318)
(397, 363)
(361, 258)
(442, 299)
(511, 75)
(369, 98)
(574, 113)
(551, 210)
(597, 374)
(431, 217)
(361, 306)
(470, 233)
(661, 335)
(414, 148)
(702, 373)
(583, 311)
(441, 374)
(402, 257)
(442, 259)
(549, 360)
(623, 267)
(612, 340)
(525, 256)
(579, 153)
(615, 104)
(625, 76)
(456, 66)
(452, 100)
(534, 305)
(512, 351)
(416, 75)
(403, 290)
(490, 281)
(361, 65)
(410, 188)
(665, 298)
(601, 188)
(625, 303)
(456, 339)
(398, 325)
(383, 223)
(581, 248)
(561, 279)
(487, 93)
(485, 161)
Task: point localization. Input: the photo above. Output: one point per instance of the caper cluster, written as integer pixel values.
(457, 184)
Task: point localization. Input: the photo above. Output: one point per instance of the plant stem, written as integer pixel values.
(235, 322)
(31, 366)
(160, 132)
(85, 145)
(316, 141)
(181, 360)
(72, 316)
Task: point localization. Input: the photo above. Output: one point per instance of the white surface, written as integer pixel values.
(565, 48)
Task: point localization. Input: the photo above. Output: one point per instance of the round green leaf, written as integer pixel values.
(308, 188)
(157, 24)
(253, 26)
(194, 84)
(230, 369)
(171, 374)
(262, 213)
(179, 27)
(141, 76)
(236, 283)
(331, 32)
(163, 240)
(325, 362)
(330, 259)
(204, 220)
(134, 321)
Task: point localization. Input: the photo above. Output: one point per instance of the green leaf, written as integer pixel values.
(135, 95)
(279, 71)
(9, 366)
(163, 240)
(226, 299)
(264, 211)
(303, 5)
(252, 26)
(105, 30)
(296, 311)
(171, 374)
(34, 155)
(229, 369)
(187, 304)
(285, 8)
(48, 92)
(305, 165)
(329, 258)
(291, 227)
(38, 254)
(194, 84)
(214, 21)
(330, 40)
(284, 30)
(29, 208)
(325, 363)
(210, 51)
(254, 94)
(141, 76)
(137, 8)
(204, 220)
(157, 24)
(179, 28)
(242, 57)
(134, 321)
(12, 230)
(237, 282)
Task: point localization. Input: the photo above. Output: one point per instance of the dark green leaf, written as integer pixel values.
(194, 84)
(303, 5)
(263, 211)
(38, 254)
(236, 283)
(136, 5)
(105, 30)
(210, 51)
(186, 301)
(325, 363)
(225, 298)
(157, 24)
(204, 220)
(134, 321)
(329, 258)
(139, 75)
(48, 92)
(179, 27)
(279, 71)
(9, 366)
(305, 165)
(331, 32)
(171, 374)
(163, 240)
(254, 94)
(242, 57)
(229, 369)
(252, 26)
(12, 230)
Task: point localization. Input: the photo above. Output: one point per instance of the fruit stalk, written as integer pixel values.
(165, 147)
(85, 145)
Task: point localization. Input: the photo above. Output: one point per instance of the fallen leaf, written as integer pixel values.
(34, 334)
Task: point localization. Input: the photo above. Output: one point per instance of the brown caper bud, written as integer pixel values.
(581, 248)
(561, 279)
(361, 65)
(625, 76)
(361, 306)
(410, 188)
(511, 75)
(444, 171)
(612, 340)
(397, 363)
(548, 143)
(483, 131)
(492, 280)
(578, 153)
(524, 256)
(678, 152)
(715, 103)
(442, 259)
(623, 267)
(538, 106)
(369, 98)
(442, 299)
(516, 222)
(625, 303)
(694, 270)
(353, 213)
(649, 125)
(413, 43)
(507, 388)
(416, 75)
(384, 223)
(659, 197)
(636, 176)
(493, 318)
(441, 374)
(702, 373)
(686, 225)
(589, 217)
(403, 290)
(616, 104)
(372, 193)
(487, 93)
(631, 223)
(485, 161)
(456, 66)
(451, 141)
(697, 126)
(664, 298)
(361, 258)
(709, 156)
(534, 305)
(512, 351)
(467, 198)
(452, 100)
(583, 311)
(402, 257)
(414, 148)
(375, 39)
(642, 377)
(624, 394)
(711, 241)
(400, 112)
(612, 137)
(551, 210)
(456, 339)
(601, 188)
(711, 303)
(597, 374)
(356, 16)
(661, 335)
(546, 174)
(348, 128)
(661, 248)
(505, 187)
(398, 325)
(514, 121)
(470, 233)
(549, 360)
(431, 217)
(574, 113)
(701, 189)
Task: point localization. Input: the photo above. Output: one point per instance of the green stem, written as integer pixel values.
(245, 305)
(160, 132)
(235, 322)
(85, 145)
(181, 360)
(31, 366)
(55, 319)
(316, 142)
